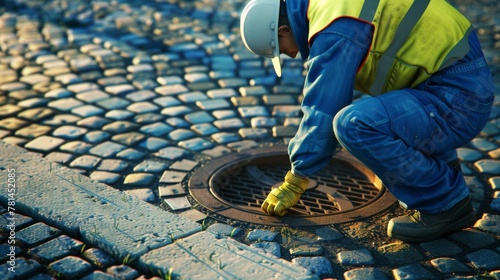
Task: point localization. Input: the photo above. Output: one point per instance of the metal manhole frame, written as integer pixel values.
(200, 189)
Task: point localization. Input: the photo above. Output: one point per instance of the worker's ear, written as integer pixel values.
(284, 31)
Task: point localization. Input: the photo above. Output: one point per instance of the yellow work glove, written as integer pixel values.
(286, 195)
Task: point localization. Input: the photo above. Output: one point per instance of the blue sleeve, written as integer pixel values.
(334, 57)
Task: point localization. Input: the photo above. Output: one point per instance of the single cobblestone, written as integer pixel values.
(222, 230)
(69, 132)
(261, 235)
(107, 149)
(483, 144)
(36, 234)
(328, 234)
(489, 223)
(76, 147)
(57, 248)
(356, 257)
(171, 153)
(413, 271)
(120, 127)
(447, 265)
(138, 179)
(150, 166)
(272, 248)
(225, 137)
(180, 134)
(473, 239)
(488, 166)
(12, 123)
(123, 272)
(105, 177)
(128, 138)
(113, 103)
(469, 155)
(33, 131)
(307, 250)
(171, 190)
(316, 265)
(184, 165)
(93, 122)
(400, 253)
(147, 118)
(87, 111)
(21, 221)
(368, 273)
(98, 258)
(95, 137)
(24, 268)
(36, 114)
(178, 203)
(65, 104)
(130, 154)
(440, 248)
(484, 259)
(70, 267)
(156, 129)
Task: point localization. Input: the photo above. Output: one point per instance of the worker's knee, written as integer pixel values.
(346, 124)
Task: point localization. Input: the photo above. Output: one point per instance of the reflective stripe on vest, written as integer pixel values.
(405, 27)
(368, 10)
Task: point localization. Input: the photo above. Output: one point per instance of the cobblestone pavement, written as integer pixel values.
(137, 95)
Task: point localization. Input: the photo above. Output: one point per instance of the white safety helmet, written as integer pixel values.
(259, 30)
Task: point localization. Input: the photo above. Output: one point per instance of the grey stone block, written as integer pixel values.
(316, 265)
(123, 272)
(472, 238)
(9, 218)
(272, 248)
(106, 218)
(449, 265)
(98, 258)
(196, 144)
(484, 259)
(70, 267)
(356, 257)
(222, 230)
(368, 273)
(414, 271)
(36, 234)
(261, 235)
(23, 269)
(57, 248)
(440, 248)
(218, 259)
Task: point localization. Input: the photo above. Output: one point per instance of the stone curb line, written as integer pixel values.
(129, 228)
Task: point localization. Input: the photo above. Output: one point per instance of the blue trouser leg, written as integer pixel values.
(408, 136)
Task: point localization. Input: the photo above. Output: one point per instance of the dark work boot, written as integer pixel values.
(421, 227)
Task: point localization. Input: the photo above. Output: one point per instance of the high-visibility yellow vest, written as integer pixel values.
(413, 39)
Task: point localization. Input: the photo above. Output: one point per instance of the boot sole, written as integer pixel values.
(465, 222)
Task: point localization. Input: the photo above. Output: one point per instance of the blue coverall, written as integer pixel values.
(406, 136)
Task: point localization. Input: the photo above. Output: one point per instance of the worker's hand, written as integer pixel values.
(286, 196)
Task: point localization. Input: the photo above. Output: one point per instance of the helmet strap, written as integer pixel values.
(283, 16)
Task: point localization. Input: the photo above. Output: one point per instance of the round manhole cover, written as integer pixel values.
(236, 185)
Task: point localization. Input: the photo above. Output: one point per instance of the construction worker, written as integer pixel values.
(431, 92)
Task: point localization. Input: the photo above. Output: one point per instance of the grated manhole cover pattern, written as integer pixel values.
(244, 188)
(236, 185)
